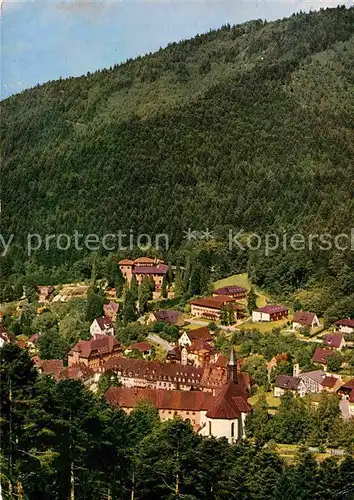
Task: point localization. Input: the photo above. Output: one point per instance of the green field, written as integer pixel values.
(272, 401)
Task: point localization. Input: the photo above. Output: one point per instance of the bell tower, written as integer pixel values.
(232, 368)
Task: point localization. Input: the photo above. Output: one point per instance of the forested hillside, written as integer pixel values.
(247, 127)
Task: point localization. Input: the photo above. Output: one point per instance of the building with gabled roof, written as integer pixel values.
(219, 415)
(144, 266)
(345, 325)
(102, 326)
(321, 356)
(95, 352)
(288, 383)
(334, 340)
(169, 316)
(236, 292)
(305, 319)
(189, 336)
(269, 313)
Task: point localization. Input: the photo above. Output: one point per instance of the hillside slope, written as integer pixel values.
(247, 127)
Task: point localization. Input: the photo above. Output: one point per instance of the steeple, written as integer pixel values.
(232, 368)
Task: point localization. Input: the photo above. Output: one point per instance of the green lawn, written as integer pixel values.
(242, 280)
(263, 326)
(272, 401)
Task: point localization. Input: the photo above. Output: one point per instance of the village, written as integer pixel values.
(192, 362)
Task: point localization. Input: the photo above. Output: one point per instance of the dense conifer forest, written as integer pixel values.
(247, 127)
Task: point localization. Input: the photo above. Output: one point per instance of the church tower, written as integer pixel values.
(232, 368)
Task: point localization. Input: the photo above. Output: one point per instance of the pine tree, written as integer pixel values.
(169, 274)
(129, 312)
(119, 282)
(134, 288)
(186, 276)
(164, 288)
(178, 288)
(145, 294)
(251, 301)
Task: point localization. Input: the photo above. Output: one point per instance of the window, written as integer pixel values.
(209, 428)
(233, 429)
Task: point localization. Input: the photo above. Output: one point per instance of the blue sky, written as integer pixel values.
(45, 40)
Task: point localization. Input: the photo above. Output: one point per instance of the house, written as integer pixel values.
(45, 293)
(102, 326)
(142, 267)
(346, 388)
(305, 319)
(31, 344)
(236, 292)
(270, 313)
(275, 360)
(321, 356)
(334, 340)
(211, 307)
(345, 325)
(331, 383)
(190, 336)
(111, 310)
(95, 352)
(313, 380)
(143, 347)
(219, 415)
(49, 366)
(169, 376)
(288, 383)
(166, 316)
(198, 353)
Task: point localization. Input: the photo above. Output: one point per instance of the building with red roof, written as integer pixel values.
(102, 326)
(189, 336)
(345, 325)
(270, 313)
(95, 352)
(211, 307)
(305, 319)
(321, 356)
(144, 266)
(236, 292)
(219, 415)
(334, 340)
(143, 347)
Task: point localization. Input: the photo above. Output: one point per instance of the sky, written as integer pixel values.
(46, 40)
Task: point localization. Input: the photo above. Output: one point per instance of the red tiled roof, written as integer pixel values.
(126, 262)
(229, 403)
(202, 333)
(212, 302)
(222, 361)
(333, 340)
(230, 290)
(102, 344)
(104, 322)
(346, 322)
(144, 260)
(51, 366)
(351, 397)
(111, 307)
(141, 346)
(126, 397)
(329, 381)
(160, 269)
(200, 345)
(321, 355)
(153, 370)
(272, 309)
(304, 317)
(348, 385)
(77, 371)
